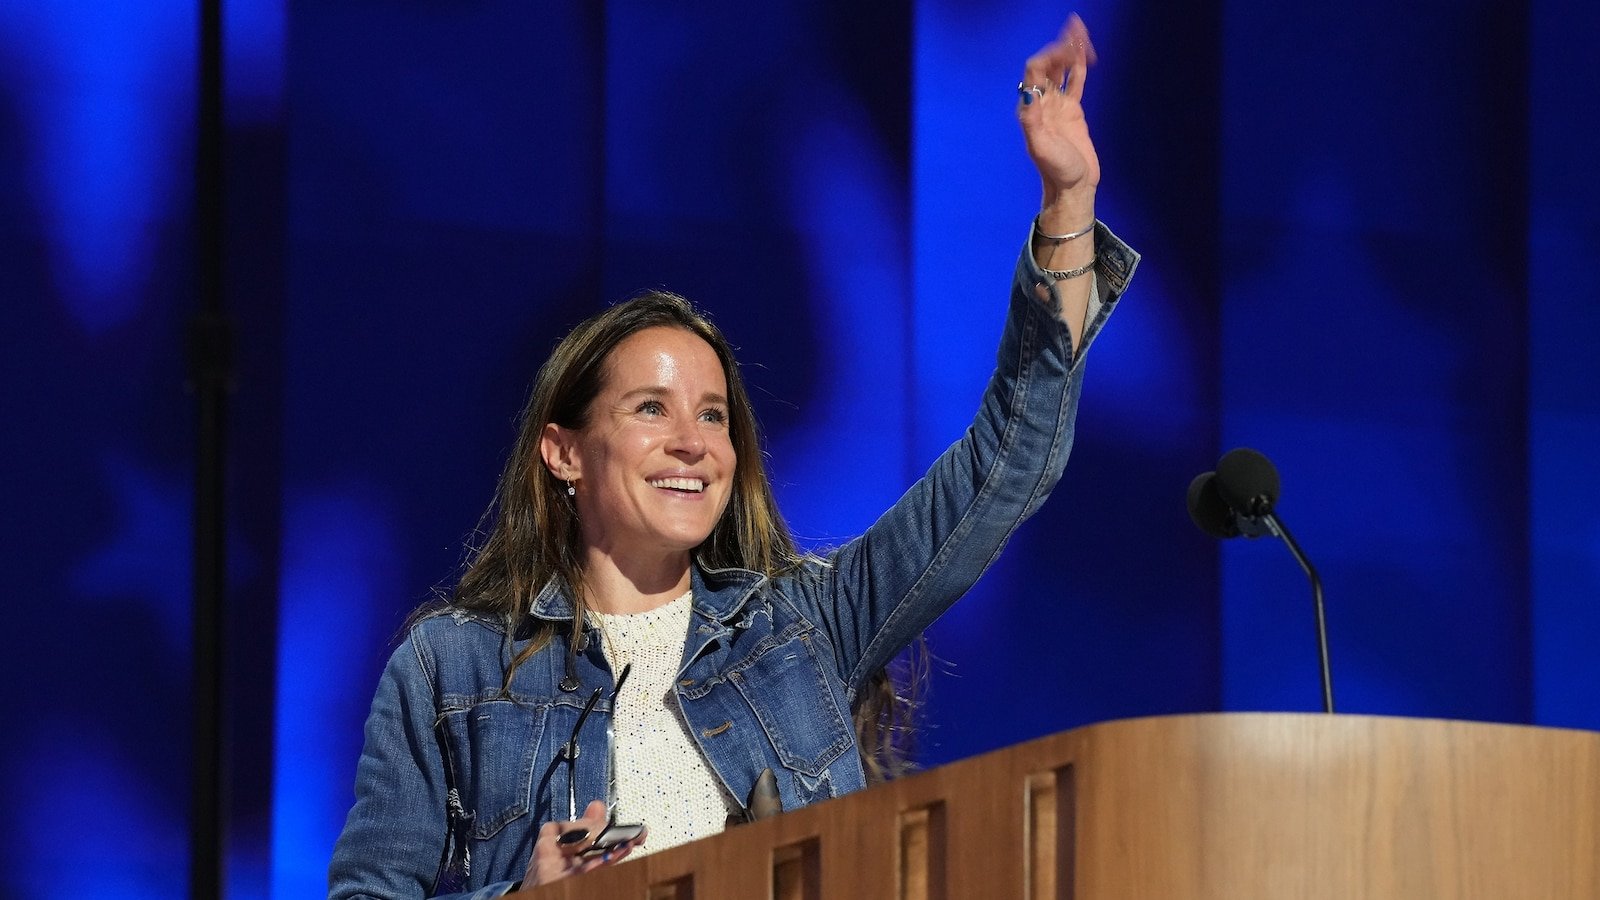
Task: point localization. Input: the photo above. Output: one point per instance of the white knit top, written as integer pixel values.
(662, 778)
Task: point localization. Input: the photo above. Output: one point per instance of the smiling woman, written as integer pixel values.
(638, 625)
(651, 469)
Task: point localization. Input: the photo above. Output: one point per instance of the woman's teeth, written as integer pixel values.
(679, 484)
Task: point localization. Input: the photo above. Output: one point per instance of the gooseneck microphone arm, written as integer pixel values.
(1278, 529)
(1238, 500)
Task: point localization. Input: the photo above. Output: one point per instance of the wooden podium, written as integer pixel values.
(1207, 806)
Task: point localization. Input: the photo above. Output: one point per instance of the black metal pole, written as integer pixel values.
(1276, 526)
(209, 369)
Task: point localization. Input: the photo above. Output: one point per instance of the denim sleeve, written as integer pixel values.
(395, 838)
(884, 588)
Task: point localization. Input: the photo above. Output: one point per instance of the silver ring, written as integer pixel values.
(1029, 92)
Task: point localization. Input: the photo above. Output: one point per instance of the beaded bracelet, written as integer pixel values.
(1058, 238)
(1064, 274)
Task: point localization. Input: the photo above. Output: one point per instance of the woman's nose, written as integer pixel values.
(687, 439)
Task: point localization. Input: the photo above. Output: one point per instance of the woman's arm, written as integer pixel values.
(394, 838)
(1050, 110)
(884, 588)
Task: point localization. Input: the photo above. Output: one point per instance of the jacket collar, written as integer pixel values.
(718, 594)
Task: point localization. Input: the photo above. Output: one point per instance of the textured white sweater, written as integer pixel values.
(662, 778)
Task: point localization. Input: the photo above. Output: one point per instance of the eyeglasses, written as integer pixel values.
(613, 834)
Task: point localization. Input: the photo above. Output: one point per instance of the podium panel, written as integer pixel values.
(1211, 807)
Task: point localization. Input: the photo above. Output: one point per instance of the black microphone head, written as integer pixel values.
(1248, 482)
(1208, 510)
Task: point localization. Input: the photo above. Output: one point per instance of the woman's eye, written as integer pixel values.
(651, 408)
(714, 415)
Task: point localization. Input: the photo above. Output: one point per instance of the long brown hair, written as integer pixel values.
(530, 534)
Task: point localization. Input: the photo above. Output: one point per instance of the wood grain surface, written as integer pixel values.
(1233, 806)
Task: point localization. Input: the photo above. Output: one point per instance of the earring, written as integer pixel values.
(571, 491)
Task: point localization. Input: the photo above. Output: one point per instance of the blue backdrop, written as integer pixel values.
(1369, 238)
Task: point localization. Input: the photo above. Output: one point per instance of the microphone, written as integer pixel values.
(1212, 514)
(1248, 482)
(1238, 499)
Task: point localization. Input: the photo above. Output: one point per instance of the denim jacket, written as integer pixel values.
(456, 777)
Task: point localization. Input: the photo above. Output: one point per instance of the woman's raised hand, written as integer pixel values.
(1050, 108)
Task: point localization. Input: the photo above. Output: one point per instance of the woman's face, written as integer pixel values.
(654, 465)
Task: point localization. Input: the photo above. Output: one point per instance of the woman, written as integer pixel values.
(638, 630)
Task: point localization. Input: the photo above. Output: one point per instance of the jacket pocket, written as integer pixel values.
(786, 688)
(492, 746)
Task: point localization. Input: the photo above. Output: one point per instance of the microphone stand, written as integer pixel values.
(1278, 529)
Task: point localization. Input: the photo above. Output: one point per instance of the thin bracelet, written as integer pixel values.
(1058, 238)
(1064, 274)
